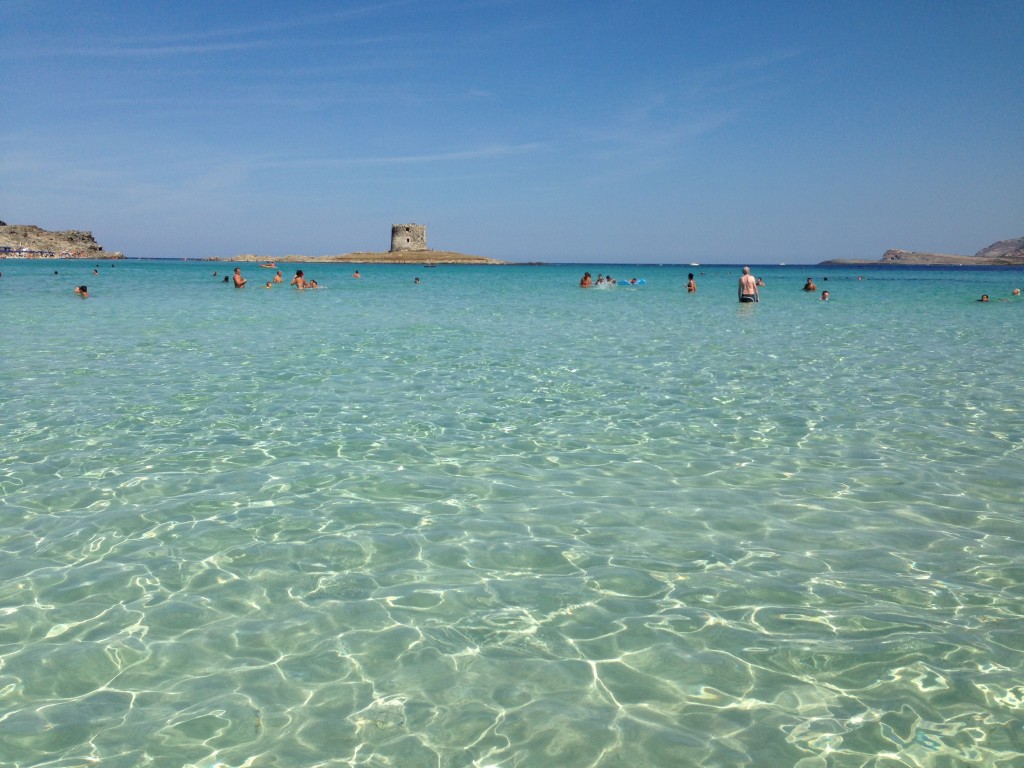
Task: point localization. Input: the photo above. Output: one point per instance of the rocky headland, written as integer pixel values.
(31, 242)
(1005, 253)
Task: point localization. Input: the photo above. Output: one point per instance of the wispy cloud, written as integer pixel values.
(199, 49)
(692, 104)
(258, 36)
(158, 51)
(648, 127)
(479, 153)
(296, 22)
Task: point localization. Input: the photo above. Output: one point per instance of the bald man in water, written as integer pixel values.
(748, 288)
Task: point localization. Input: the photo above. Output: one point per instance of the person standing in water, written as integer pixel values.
(691, 285)
(239, 280)
(748, 288)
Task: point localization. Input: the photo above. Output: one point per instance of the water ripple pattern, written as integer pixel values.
(493, 519)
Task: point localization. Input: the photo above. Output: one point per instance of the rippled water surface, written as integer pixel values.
(496, 520)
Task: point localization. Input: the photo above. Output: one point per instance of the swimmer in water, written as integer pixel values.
(748, 292)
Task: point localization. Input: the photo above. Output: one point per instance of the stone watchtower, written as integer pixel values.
(408, 237)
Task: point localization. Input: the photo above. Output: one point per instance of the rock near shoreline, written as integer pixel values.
(32, 242)
(1005, 253)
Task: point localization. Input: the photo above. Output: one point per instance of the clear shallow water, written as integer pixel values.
(496, 520)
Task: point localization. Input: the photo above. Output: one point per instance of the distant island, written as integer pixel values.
(1005, 253)
(408, 246)
(26, 241)
(424, 256)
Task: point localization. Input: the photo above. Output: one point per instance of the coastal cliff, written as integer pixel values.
(1005, 253)
(1012, 249)
(31, 242)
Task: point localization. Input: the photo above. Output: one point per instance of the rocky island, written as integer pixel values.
(371, 257)
(1005, 253)
(408, 246)
(27, 241)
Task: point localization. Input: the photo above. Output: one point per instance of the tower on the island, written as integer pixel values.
(408, 237)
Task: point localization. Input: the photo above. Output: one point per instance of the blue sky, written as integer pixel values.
(520, 129)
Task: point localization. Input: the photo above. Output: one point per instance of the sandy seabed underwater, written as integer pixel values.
(496, 520)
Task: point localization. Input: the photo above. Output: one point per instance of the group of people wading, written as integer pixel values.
(299, 281)
(747, 289)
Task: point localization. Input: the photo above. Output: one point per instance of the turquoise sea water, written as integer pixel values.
(497, 520)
